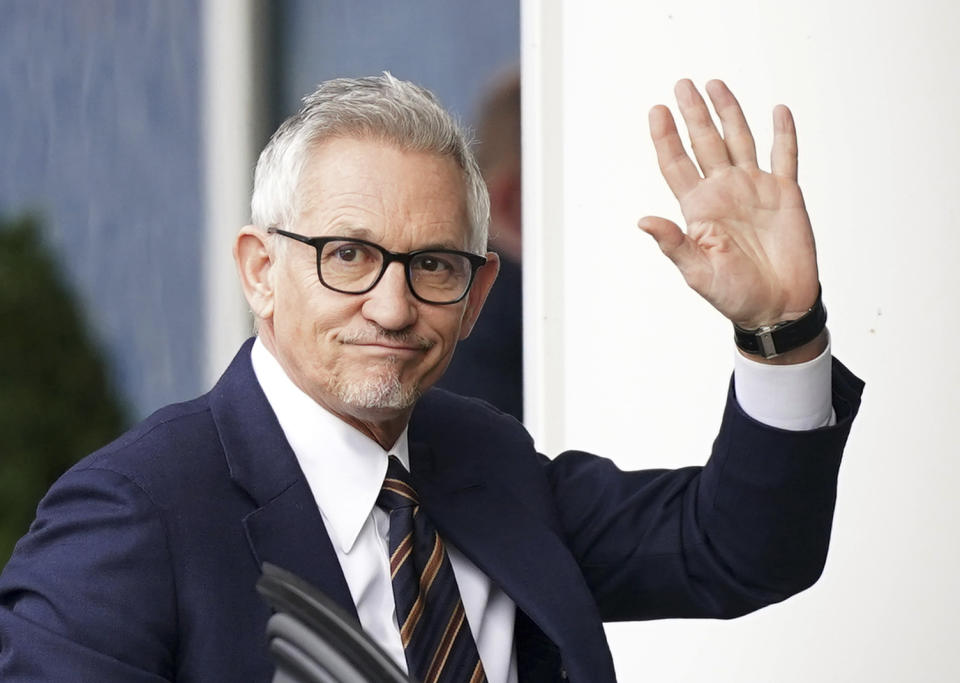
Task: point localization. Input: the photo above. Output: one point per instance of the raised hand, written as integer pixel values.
(749, 247)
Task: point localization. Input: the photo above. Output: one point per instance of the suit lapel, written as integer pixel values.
(288, 531)
(519, 553)
(286, 528)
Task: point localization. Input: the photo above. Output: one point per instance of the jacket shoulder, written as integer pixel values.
(441, 414)
(175, 444)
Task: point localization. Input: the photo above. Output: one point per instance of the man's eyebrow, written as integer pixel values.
(347, 230)
(360, 233)
(440, 245)
(443, 243)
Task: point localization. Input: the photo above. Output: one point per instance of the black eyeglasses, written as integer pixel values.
(354, 266)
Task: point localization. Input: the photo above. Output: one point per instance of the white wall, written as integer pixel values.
(620, 352)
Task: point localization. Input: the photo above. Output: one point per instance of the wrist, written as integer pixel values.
(806, 352)
(788, 339)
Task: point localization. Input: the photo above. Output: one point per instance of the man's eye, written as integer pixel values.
(347, 253)
(353, 253)
(432, 265)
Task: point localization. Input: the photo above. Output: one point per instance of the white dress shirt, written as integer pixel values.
(345, 469)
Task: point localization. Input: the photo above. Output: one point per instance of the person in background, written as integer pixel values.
(489, 363)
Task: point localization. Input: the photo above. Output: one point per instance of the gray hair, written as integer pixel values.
(379, 107)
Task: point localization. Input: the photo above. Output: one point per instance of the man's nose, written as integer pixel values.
(391, 304)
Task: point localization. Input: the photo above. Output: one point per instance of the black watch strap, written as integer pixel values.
(772, 340)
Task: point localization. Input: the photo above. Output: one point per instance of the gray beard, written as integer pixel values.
(380, 391)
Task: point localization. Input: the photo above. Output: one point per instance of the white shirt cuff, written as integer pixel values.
(794, 397)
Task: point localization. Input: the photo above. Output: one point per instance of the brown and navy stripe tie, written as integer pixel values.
(433, 627)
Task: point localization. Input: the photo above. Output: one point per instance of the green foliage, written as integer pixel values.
(56, 403)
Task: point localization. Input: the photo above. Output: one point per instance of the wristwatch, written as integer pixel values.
(770, 341)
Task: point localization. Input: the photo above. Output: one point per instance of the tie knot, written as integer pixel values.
(397, 492)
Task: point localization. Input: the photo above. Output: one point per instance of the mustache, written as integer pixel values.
(378, 335)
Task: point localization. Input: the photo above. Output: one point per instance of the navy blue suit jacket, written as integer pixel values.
(141, 564)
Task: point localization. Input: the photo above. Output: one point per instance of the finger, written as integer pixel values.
(676, 166)
(673, 242)
(705, 140)
(783, 156)
(736, 133)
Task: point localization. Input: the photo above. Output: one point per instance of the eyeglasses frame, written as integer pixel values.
(476, 262)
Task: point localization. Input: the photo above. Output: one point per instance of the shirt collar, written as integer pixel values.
(343, 467)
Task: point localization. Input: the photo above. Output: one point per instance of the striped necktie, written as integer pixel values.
(433, 627)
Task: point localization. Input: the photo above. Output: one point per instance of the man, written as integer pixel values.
(364, 266)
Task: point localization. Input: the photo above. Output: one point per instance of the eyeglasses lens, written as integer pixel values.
(438, 276)
(349, 266)
(354, 267)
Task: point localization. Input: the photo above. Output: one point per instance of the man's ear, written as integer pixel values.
(482, 283)
(254, 265)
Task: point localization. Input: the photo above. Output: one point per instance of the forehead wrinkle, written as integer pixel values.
(433, 235)
(424, 212)
(325, 215)
(430, 217)
(438, 237)
(416, 221)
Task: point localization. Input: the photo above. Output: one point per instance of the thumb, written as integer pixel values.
(672, 241)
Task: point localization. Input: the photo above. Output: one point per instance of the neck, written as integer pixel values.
(385, 437)
(384, 431)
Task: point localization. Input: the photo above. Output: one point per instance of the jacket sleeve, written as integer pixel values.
(88, 594)
(749, 529)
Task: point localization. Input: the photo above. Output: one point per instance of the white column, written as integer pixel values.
(230, 115)
(543, 235)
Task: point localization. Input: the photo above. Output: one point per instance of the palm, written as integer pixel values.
(749, 247)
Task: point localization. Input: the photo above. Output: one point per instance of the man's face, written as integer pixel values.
(369, 356)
